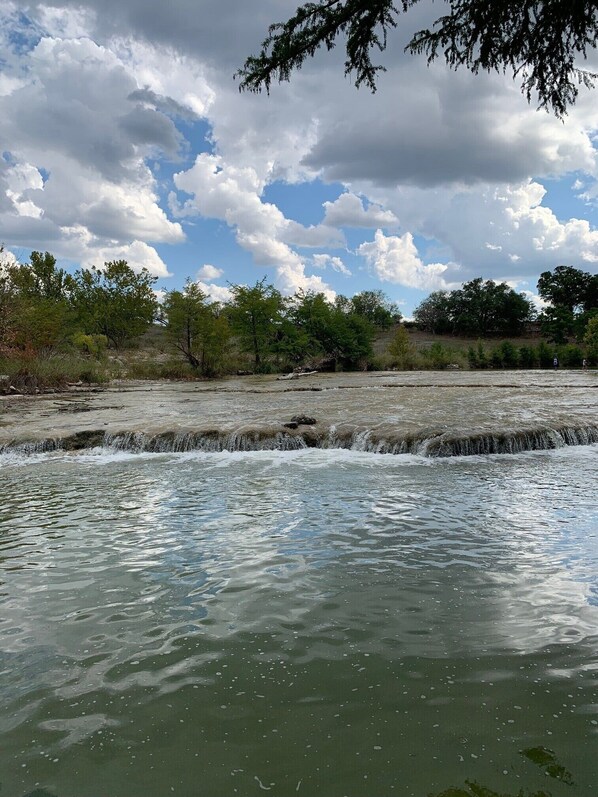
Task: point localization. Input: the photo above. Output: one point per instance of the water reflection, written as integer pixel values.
(350, 623)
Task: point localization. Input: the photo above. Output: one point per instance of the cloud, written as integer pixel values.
(232, 193)
(348, 211)
(217, 293)
(75, 175)
(208, 272)
(498, 232)
(451, 128)
(335, 263)
(395, 259)
(94, 94)
(319, 235)
(137, 254)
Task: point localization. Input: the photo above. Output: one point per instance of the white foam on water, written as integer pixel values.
(309, 458)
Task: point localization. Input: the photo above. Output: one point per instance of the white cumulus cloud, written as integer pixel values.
(395, 259)
(209, 273)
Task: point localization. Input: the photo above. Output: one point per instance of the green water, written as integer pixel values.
(308, 623)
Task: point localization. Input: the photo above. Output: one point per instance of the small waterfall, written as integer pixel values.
(208, 441)
(427, 443)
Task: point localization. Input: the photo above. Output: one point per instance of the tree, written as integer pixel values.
(488, 308)
(42, 315)
(400, 349)
(315, 320)
(590, 339)
(332, 330)
(568, 287)
(540, 41)
(255, 314)
(557, 324)
(434, 314)
(115, 301)
(477, 309)
(197, 328)
(41, 279)
(7, 310)
(573, 297)
(376, 308)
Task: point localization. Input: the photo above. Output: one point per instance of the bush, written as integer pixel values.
(570, 356)
(510, 355)
(36, 373)
(496, 358)
(528, 357)
(93, 345)
(545, 355)
(439, 356)
(400, 350)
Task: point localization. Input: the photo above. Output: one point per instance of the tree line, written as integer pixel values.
(44, 311)
(486, 309)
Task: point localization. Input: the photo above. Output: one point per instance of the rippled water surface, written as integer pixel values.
(314, 622)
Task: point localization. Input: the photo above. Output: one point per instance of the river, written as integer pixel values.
(316, 616)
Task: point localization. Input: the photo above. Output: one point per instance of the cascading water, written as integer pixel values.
(433, 445)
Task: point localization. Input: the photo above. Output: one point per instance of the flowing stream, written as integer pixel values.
(320, 621)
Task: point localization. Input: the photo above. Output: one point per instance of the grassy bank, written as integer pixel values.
(151, 357)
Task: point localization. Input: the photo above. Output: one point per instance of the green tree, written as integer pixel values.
(439, 356)
(115, 301)
(401, 349)
(256, 314)
(510, 355)
(315, 319)
(590, 339)
(528, 357)
(8, 314)
(540, 41)
(41, 279)
(43, 318)
(376, 307)
(557, 324)
(197, 329)
(488, 308)
(434, 314)
(332, 331)
(573, 297)
(570, 355)
(545, 354)
(567, 287)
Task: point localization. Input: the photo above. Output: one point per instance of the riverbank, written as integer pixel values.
(430, 413)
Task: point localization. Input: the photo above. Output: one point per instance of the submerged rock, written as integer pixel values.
(81, 440)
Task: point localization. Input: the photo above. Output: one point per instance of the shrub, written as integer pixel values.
(93, 345)
(570, 356)
(528, 357)
(439, 356)
(545, 355)
(400, 350)
(496, 358)
(510, 355)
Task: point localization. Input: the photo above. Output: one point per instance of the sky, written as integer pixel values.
(123, 135)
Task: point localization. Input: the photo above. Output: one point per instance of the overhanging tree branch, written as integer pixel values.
(314, 25)
(539, 41)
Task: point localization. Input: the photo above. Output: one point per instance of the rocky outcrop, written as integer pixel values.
(303, 420)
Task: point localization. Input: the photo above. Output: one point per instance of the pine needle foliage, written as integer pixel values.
(542, 43)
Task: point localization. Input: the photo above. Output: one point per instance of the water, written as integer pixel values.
(312, 622)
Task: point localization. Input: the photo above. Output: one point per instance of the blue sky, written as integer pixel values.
(124, 135)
